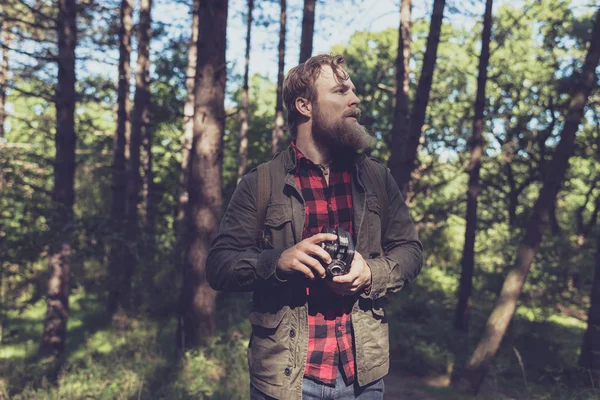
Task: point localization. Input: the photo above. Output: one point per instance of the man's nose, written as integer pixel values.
(354, 100)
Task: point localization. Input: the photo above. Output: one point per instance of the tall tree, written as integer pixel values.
(140, 118)
(402, 83)
(188, 121)
(279, 121)
(243, 151)
(308, 29)
(590, 348)
(6, 40)
(468, 259)
(403, 161)
(63, 194)
(506, 303)
(198, 300)
(150, 208)
(120, 151)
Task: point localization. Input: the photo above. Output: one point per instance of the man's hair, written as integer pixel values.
(300, 82)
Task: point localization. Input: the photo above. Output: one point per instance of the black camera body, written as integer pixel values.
(340, 250)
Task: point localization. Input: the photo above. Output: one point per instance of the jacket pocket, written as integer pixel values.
(373, 216)
(268, 353)
(278, 226)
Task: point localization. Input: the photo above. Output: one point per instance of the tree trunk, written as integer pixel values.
(139, 119)
(278, 127)
(590, 349)
(150, 208)
(188, 122)
(402, 84)
(63, 196)
(513, 285)
(404, 161)
(243, 152)
(198, 300)
(468, 259)
(6, 40)
(308, 30)
(119, 178)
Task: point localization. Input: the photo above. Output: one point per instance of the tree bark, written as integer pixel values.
(468, 259)
(6, 40)
(590, 348)
(506, 303)
(120, 153)
(63, 195)
(243, 151)
(401, 103)
(188, 122)
(198, 300)
(404, 161)
(308, 30)
(140, 117)
(279, 121)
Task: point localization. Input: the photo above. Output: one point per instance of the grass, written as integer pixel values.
(134, 357)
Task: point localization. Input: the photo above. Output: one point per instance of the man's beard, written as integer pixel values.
(343, 137)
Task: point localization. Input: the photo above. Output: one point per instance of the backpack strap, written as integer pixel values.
(376, 177)
(262, 199)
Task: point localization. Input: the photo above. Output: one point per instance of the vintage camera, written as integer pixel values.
(340, 250)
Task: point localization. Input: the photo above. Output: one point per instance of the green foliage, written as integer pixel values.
(536, 47)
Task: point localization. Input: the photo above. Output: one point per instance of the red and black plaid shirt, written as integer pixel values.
(329, 315)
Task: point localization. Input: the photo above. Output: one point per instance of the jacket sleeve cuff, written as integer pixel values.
(267, 264)
(379, 280)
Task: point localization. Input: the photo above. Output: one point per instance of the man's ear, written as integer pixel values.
(304, 107)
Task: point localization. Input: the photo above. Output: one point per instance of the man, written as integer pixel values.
(315, 337)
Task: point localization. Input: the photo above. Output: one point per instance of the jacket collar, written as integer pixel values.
(290, 159)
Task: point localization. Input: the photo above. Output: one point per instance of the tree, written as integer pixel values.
(63, 194)
(474, 167)
(308, 29)
(402, 82)
(198, 300)
(140, 119)
(590, 348)
(6, 39)
(512, 287)
(120, 148)
(402, 163)
(243, 151)
(279, 121)
(188, 121)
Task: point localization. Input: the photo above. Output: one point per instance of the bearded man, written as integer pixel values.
(315, 336)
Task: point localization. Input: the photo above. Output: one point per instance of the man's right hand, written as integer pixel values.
(304, 257)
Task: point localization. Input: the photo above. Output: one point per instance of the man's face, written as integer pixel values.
(336, 115)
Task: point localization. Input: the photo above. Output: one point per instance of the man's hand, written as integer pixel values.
(301, 257)
(355, 280)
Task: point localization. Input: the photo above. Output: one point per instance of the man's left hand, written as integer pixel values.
(354, 281)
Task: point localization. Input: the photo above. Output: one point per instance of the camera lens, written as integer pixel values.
(336, 268)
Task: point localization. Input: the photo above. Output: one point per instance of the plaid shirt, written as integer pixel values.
(330, 337)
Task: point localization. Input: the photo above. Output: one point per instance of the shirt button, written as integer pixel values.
(292, 333)
(287, 372)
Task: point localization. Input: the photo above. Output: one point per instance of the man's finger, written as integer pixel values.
(322, 237)
(313, 264)
(303, 269)
(318, 251)
(350, 277)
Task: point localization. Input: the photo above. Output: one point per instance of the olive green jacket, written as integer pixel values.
(278, 346)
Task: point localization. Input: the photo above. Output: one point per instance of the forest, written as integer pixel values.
(125, 126)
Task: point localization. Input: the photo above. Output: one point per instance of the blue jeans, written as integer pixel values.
(312, 390)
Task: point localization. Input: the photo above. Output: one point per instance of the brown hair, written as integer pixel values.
(300, 82)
